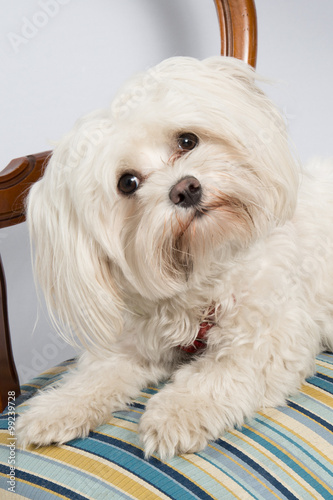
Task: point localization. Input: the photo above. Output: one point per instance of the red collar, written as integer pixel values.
(200, 342)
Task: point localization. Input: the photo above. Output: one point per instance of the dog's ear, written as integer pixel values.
(74, 272)
(248, 118)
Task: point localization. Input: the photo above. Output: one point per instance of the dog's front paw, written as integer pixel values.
(174, 424)
(54, 420)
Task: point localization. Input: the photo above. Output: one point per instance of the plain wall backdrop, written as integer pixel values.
(63, 58)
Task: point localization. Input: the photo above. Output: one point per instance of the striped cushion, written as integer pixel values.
(282, 453)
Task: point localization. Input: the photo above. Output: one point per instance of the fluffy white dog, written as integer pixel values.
(175, 218)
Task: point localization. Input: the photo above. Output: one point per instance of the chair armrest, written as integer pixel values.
(15, 181)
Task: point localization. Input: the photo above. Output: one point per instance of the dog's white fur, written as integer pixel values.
(134, 276)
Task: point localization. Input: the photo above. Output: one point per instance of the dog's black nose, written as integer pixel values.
(186, 193)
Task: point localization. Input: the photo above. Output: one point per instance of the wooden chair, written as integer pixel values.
(284, 453)
(238, 28)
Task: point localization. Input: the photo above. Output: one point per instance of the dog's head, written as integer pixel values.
(190, 165)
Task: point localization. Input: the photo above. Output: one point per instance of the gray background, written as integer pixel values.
(63, 58)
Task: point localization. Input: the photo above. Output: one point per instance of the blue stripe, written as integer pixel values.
(150, 390)
(307, 422)
(127, 416)
(326, 357)
(154, 472)
(325, 377)
(311, 415)
(234, 472)
(28, 490)
(60, 472)
(269, 464)
(301, 472)
(185, 467)
(258, 469)
(137, 405)
(322, 384)
(44, 483)
(284, 435)
(315, 406)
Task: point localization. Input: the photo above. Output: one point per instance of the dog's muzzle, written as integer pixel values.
(186, 193)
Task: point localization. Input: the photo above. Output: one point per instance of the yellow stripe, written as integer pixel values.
(324, 364)
(138, 480)
(170, 466)
(105, 471)
(314, 441)
(301, 437)
(191, 458)
(37, 385)
(122, 424)
(194, 459)
(134, 429)
(323, 372)
(318, 394)
(279, 463)
(246, 470)
(328, 356)
(138, 399)
(315, 413)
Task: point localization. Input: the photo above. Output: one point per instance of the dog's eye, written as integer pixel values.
(187, 141)
(128, 184)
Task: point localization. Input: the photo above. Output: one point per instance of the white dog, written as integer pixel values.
(176, 236)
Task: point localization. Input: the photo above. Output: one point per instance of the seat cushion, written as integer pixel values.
(286, 452)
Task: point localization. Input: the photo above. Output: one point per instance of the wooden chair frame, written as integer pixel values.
(238, 30)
